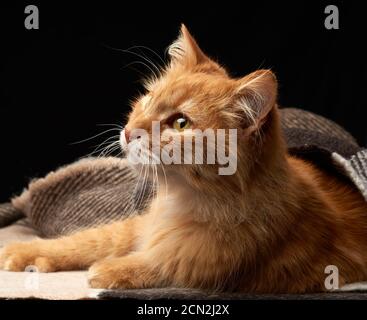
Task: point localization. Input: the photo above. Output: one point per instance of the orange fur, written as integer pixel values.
(273, 226)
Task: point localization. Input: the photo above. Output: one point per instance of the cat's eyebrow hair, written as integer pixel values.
(186, 105)
(145, 100)
(183, 107)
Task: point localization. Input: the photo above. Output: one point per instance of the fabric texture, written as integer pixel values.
(356, 168)
(191, 294)
(88, 193)
(8, 214)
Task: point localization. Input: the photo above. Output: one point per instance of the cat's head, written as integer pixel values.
(194, 93)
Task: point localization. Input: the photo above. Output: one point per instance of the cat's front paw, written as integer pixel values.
(19, 256)
(107, 275)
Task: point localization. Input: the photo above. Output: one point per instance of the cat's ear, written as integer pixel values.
(256, 96)
(185, 50)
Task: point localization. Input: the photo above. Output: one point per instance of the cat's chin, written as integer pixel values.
(163, 174)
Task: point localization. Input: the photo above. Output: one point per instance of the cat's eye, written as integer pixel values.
(180, 123)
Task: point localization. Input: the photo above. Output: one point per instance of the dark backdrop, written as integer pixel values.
(60, 82)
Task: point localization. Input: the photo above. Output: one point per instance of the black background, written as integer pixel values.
(59, 83)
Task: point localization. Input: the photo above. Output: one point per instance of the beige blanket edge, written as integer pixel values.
(52, 286)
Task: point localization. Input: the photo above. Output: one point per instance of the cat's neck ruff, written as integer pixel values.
(225, 203)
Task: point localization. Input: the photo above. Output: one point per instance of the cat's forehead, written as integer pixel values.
(167, 100)
(182, 92)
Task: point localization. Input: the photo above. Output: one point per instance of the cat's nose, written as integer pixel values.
(127, 135)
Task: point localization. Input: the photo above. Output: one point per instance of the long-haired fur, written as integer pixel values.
(272, 226)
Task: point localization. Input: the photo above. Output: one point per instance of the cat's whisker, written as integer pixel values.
(149, 49)
(145, 65)
(100, 147)
(138, 194)
(145, 58)
(110, 152)
(109, 149)
(141, 55)
(108, 140)
(95, 136)
(155, 182)
(117, 126)
(154, 168)
(133, 195)
(143, 188)
(103, 148)
(155, 175)
(142, 74)
(161, 166)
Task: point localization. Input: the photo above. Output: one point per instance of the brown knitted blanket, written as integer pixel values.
(87, 193)
(96, 191)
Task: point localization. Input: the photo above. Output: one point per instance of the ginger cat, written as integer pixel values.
(271, 227)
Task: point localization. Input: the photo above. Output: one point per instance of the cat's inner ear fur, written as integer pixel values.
(185, 50)
(255, 97)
